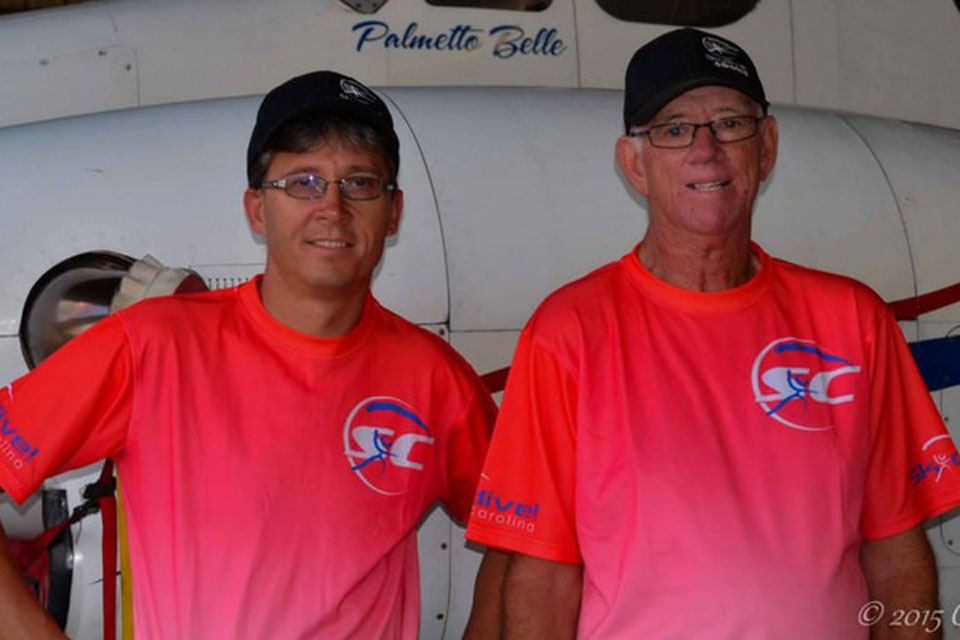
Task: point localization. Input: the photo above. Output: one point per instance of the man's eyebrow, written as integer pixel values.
(301, 169)
(742, 110)
(362, 168)
(352, 169)
(671, 116)
(682, 116)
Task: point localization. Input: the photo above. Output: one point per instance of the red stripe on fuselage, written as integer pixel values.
(911, 308)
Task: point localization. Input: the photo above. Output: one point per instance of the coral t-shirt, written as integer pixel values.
(713, 459)
(272, 481)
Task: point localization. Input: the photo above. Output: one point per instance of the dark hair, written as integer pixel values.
(309, 131)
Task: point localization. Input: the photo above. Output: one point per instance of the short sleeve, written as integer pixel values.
(914, 469)
(466, 450)
(70, 411)
(525, 498)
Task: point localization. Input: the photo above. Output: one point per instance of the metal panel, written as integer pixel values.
(899, 59)
(950, 601)
(607, 43)
(433, 546)
(945, 537)
(815, 52)
(12, 365)
(527, 192)
(828, 205)
(233, 48)
(543, 202)
(71, 83)
(486, 351)
(921, 163)
(168, 181)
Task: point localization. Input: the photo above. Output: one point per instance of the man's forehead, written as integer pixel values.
(709, 98)
(336, 152)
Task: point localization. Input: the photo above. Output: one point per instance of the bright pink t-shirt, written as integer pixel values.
(272, 481)
(713, 459)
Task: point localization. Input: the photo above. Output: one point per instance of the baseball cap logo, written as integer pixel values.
(723, 55)
(351, 90)
(720, 48)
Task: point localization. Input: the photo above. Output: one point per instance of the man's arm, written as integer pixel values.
(487, 612)
(541, 598)
(22, 616)
(901, 575)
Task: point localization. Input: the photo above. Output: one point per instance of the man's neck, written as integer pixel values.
(699, 263)
(314, 313)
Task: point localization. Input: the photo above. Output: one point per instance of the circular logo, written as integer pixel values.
(386, 444)
(799, 384)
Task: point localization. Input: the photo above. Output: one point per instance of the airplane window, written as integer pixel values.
(513, 5)
(692, 13)
(14, 6)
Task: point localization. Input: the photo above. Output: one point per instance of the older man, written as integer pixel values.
(700, 440)
(277, 443)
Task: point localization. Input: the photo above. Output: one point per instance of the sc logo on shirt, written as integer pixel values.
(385, 443)
(797, 383)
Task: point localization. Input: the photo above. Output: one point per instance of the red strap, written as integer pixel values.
(495, 380)
(910, 308)
(32, 551)
(108, 517)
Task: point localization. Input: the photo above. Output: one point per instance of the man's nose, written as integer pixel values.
(704, 142)
(332, 204)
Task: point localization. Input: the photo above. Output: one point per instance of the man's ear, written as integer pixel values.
(768, 152)
(253, 206)
(628, 153)
(396, 211)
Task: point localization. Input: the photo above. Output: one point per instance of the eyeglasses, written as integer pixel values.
(676, 135)
(310, 186)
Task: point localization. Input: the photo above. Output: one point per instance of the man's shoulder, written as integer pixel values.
(585, 295)
(826, 284)
(419, 344)
(168, 313)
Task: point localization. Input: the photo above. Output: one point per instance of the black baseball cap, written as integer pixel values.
(320, 93)
(681, 60)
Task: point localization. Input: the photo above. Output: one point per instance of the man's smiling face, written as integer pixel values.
(328, 245)
(708, 187)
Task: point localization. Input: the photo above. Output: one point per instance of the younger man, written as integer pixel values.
(276, 443)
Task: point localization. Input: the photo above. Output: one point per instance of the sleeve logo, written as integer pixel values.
(506, 512)
(797, 383)
(13, 446)
(942, 457)
(384, 441)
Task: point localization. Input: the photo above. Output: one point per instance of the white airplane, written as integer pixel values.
(509, 193)
(882, 57)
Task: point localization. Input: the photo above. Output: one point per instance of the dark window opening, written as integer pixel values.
(692, 13)
(512, 5)
(14, 6)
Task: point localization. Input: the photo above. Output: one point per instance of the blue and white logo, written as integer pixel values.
(385, 443)
(798, 383)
